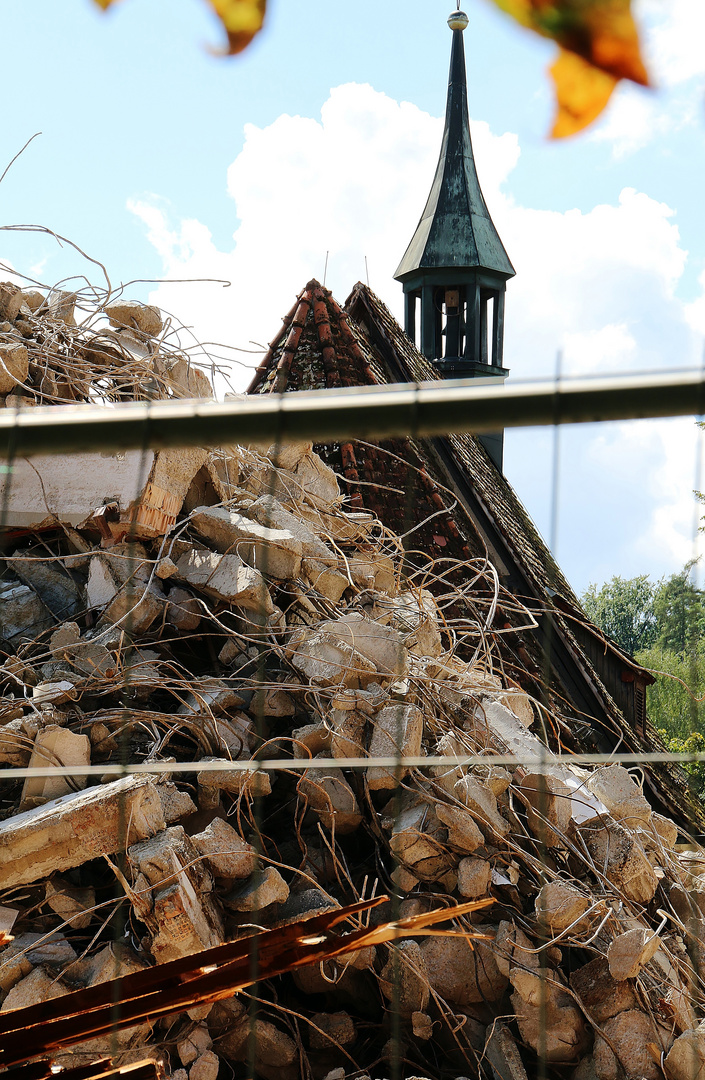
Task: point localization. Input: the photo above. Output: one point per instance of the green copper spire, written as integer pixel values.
(456, 230)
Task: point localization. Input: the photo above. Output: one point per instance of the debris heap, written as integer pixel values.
(201, 613)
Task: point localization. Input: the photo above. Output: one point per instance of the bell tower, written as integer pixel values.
(455, 269)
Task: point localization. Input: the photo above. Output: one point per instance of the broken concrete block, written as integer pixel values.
(404, 981)
(503, 1055)
(329, 1030)
(175, 804)
(328, 793)
(307, 477)
(71, 903)
(550, 807)
(85, 656)
(269, 512)
(33, 299)
(14, 366)
(274, 552)
(183, 610)
(227, 854)
(547, 1017)
(311, 740)
(39, 985)
(325, 580)
(52, 583)
(627, 1053)
(131, 313)
(559, 906)
(514, 950)
(382, 645)
(197, 1042)
(665, 829)
(461, 973)
(417, 840)
(324, 660)
(165, 569)
(262, 890)
(184, 915)
(15, 744)
(481, 803)
(227, 578)
(600, 995)
(205, 1067)
(273, 1049)
(474, 878)
(22, 614)
(686, 1058)
(253, 782)
(463, 833)
(73, 829)
(422, 1026)
(618, 854)
(28, 951)
(415, 615)
(101, 586)
(348, 738)
(133, 609)
(614, 787)
(11, 299)
(397, 730)
(55, 746)
(189, 381)
(628, 953)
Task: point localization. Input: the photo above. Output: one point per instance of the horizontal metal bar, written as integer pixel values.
(369, 412)
(302, 764)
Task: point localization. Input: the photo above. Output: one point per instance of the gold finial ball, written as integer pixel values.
(458, 20)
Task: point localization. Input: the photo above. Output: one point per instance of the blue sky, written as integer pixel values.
(163, 160)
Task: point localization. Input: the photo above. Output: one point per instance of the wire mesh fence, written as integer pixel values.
(287, 791)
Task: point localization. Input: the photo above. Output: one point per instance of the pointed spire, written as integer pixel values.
(456, 230)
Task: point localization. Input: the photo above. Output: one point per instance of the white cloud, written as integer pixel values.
(675, 30)
(600, 285)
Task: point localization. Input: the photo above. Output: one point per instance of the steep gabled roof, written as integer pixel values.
(454, 505)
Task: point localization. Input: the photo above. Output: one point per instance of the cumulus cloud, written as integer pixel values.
(600, 286)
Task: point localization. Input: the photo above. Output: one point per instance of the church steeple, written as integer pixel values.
(456, 264)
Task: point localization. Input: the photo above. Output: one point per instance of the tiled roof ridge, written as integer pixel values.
(327, 313)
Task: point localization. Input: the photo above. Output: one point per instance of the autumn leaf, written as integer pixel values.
(242, 19)
(599, 44)
(582, 92)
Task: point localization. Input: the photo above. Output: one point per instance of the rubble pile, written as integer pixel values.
(256, 618)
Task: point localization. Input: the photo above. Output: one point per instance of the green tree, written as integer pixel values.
(679, 609)
(624, 609)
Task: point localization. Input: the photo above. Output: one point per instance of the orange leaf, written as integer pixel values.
(603, 32)
(582, 92)
(242, 19)
(105, 4)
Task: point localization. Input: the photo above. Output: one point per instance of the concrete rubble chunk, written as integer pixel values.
(184, 610)
(328, 793)
(482, 804)
(620, 856)
(417, 840)
(274, 1050)
(474, 878)
(601, 996)
(260, 892)
(560, 906)
(205, 1067)
(503, 1054)
(625, 1049)
(550, 807)
(11, 299)
(348, 728)
(73, 829)
(197, 1042)
(329, 1030)
(227, 578)
(397, 730)
(22, 614)
(404, 979)
(274, 552)
(101, 586)
(226, 853)
(686, 1058)
(55, 746)
(131, 313)
(628, 952)
(39, 985)
(665, 829)
(51, 582)
(620, 794)
(461, 974)
(253, 782)
(547, 1016)
(514, 951)
(463, 833)
(268, 511)
(134, 609)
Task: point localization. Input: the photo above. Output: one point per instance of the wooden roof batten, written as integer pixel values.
(456, 264)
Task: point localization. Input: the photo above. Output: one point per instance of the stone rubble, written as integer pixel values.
(230, 608)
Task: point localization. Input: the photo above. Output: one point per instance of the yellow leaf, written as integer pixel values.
(582, 92)
(242, 20)
(105, 4)
(603, 32)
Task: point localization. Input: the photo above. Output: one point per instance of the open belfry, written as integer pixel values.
(313, 714)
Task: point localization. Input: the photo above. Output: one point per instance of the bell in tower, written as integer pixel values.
(455, 269)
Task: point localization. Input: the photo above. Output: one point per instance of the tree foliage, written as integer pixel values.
(624, 609)
(241, 19)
